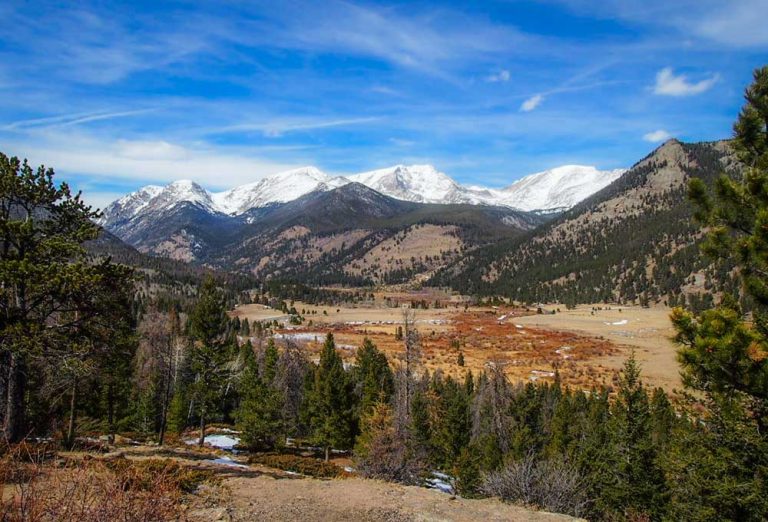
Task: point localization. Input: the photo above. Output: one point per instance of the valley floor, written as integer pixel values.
(587, 345)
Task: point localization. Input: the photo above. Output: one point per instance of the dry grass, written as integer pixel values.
(36, 489)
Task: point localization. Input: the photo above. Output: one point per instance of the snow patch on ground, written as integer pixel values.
(441, 482)
(225, 442)
(618, 323)
(226, 461)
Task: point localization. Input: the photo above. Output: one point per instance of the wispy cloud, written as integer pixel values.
(68, 120)
(276, 129)
(657, 136)
(669, 84)
(501, 76)
(531, 103)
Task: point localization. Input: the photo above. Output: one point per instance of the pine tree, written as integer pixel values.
(467, 472)
(44, 270)
(383, 453)
(724, 357)
(662, 418)
(259, 413)
(329, 402)
(210, 352)
(640, 487)
(373, 377)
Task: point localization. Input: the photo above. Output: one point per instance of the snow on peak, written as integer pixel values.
(181, 191)
(420, 183)
(556, 189)
(278, 188)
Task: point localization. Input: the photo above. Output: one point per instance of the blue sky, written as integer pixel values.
(115, 96)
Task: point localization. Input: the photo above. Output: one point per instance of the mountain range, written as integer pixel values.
(571, 234)
(549, 191)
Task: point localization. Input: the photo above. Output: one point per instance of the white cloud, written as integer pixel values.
(105, 160)
(531, 103)
(275, 129)
(657, 136)
(501, 76)
(669, 84)
(68, 120)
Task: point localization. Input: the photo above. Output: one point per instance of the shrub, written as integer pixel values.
(550, 485)
(304, 465)
(94, 490)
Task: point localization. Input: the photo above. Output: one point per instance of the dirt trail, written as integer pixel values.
(271, 496)
(253, 492)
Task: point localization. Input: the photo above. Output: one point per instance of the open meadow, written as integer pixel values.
(587, 345)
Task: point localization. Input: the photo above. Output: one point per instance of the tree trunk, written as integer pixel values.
(14, 407)
(111, 412)
(327, 453)
(164, 412)
(70, 442)
(201, 441)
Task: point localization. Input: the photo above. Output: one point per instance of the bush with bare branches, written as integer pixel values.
(551, 485)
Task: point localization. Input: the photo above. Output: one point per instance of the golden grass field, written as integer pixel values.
(586, 345)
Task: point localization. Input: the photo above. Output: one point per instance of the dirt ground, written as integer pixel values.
(253, 492)
(265, 495)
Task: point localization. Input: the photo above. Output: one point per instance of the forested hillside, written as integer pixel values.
(635, 241)
(356, 236)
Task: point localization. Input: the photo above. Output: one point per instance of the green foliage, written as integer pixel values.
(330, 403)
(373, 377)
(259, 416)
(211, 351)
(640, 486)
(55, 301)
(719, 469)
(467, 472)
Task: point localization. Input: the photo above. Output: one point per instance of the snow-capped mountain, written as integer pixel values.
(418, 183)
(549, 191)
(152, 199)
(280, 188)
(556, 189)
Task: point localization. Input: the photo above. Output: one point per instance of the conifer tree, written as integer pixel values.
(210, 352)
(640, 488)
(724, 357)
(44, 270)
(373, 377)
(259, 413)
(329, 402)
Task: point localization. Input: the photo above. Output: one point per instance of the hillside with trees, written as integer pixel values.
(633, 242)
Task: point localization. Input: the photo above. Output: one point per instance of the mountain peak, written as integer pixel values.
(559, 188)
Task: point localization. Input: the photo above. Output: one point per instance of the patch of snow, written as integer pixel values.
(441, 482)
(226, 461)
(225, 442)
(618, 323)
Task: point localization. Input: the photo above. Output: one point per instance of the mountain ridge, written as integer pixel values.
(415, 183)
